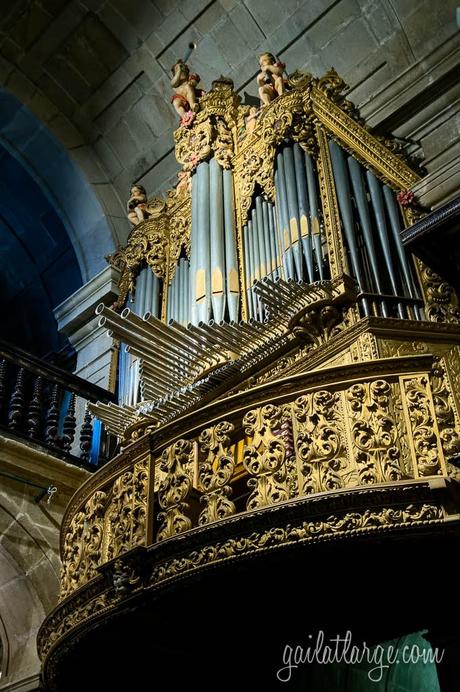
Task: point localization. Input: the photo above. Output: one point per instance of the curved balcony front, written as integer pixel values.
(226, 517)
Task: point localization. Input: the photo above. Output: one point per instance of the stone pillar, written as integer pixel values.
(76, 319)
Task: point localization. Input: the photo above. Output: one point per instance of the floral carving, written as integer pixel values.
(320, 446)
(264, 459)
(215, 472)
(175, 489)
(424, 436)
(374, 432)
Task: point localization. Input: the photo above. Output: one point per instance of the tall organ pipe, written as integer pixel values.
(216, 219)
(395, 227)
(187, 292)
(193, 249)
(231, 261)
(248, 269)
(268, 239)
(281, 199)
(140, 291)
(315, 228)
(359, 192)
(256, 260)
(258, 230)
(274, 240)
(293, 208)
(379, 212)
(155, 306)
(264, 234)
(304, 210)
(179, 280)
(344, 199)
(202, 278)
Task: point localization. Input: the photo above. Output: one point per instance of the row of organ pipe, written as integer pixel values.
(262, 251)
(285, 240)
(214, 284)
(298, 215)
(371, 225)
(178, 306)
(279, 240)
(146, 299)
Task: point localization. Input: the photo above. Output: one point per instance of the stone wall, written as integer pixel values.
(29, 553)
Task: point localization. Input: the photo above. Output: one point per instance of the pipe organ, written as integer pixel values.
(262, 218)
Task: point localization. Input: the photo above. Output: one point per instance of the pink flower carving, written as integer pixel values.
(187, 119)
(405, 198)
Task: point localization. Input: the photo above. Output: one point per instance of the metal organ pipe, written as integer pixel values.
(344, 198)
(393, 214)
(231, 262)
(315, 228)
(360, 194)
(283, 213)
(201, 287)
(256, 260)
(217, 258)
(379, 212)
(293, 208)
(268, 238)
(258, 232)
(277, 240)
(193, 249)
(248, 269)
(304, 210)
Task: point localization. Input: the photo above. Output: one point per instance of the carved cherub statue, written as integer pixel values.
(186, 93)
(137, 205)
(185, 183)
(270, 79)
(251, 119)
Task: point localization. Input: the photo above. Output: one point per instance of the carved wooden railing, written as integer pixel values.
(46, 405)
(384, 423)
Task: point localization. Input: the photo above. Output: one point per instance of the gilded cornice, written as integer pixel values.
(363, 144)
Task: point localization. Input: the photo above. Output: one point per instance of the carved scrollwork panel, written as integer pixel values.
(175, 489)
(215, 472)
(374, 431)
(264, 459)
(126, 515)
(424, 434)
(441, 300)
(82, 552)
(322, 459)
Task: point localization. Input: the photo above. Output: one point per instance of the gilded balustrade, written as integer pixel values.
(390, 421)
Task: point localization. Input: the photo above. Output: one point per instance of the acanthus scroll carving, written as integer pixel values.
(175, 489)
(442, 303)
(445, 415)
(82, 552)
(215, 473)
(321, 451)
(264, 459)
(374, 431)
(424, 437)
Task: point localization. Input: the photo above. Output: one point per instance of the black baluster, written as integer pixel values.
(52, 420)
(17, 402)
(69, 425)
(35, 409)
(3, 368)
(86, 436)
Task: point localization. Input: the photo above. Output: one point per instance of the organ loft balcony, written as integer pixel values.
(288, 409)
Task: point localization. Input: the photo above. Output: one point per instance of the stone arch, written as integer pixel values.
(95, 226)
